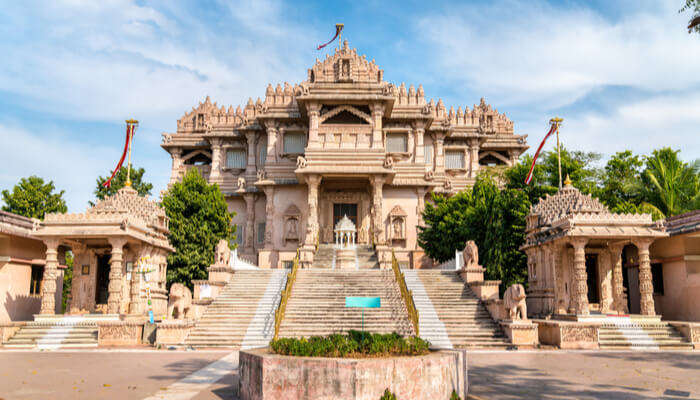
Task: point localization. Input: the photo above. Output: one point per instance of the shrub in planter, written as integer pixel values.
(388, 395)
(355, 343)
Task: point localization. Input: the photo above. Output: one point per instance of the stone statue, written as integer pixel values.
(388, 162)
(429, 175)
(261, 175)
(470, 255)
(241, 183)
(223, 252)
(397, 229)
(301, 162)
(179, 301)
(514, 302)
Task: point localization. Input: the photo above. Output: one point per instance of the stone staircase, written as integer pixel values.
(365, 255)
(317, 303)
(242, 316)
(461, 314)
(630, 333)
(58, 331)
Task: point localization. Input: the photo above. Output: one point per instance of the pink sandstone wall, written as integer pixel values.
(681, 298)
(16, 304)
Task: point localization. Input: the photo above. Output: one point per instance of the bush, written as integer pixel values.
(355, 343)
(388, 395)
(454, 396)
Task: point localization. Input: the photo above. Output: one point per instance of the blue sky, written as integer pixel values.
(622, 74)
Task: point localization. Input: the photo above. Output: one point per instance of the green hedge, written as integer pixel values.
(354, 344)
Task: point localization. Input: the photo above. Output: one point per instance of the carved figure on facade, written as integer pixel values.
(262, 175)
(514, 302)
(388, 162)
(301, 162)
(179, 301)
(292, 216)
(241, 183)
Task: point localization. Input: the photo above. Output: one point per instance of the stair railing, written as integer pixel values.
(405, 293)
(286, 292)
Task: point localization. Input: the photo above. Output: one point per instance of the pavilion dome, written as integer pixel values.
(567, 201)
(128, 201)
(345, 225)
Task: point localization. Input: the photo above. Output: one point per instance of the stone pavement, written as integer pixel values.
(493, 375)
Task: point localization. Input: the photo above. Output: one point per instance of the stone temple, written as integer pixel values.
(343, 142)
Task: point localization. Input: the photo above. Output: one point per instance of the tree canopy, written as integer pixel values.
(199, 218)
(694, 7)
(142, 187)
(34, 198)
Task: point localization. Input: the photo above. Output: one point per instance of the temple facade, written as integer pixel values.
(345, 142)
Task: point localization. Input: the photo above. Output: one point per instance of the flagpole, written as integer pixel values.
(556, 121)
(339, 27)
(132, 123)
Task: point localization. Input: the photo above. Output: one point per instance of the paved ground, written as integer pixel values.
(492, 375)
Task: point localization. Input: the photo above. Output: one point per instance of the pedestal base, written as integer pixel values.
(345, 259)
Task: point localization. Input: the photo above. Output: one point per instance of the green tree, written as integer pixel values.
(67, 279)
(670, 184)
(137, 182)
(579, 166)
(539, 185)
(33, 198)
(620, 177)
(694, 7)
(493, 218)
(199, 218)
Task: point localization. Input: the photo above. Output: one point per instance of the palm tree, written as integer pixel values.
(669, 184)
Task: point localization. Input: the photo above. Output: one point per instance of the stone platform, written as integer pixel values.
(269, 376)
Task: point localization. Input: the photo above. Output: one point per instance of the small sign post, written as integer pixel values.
(363, 302)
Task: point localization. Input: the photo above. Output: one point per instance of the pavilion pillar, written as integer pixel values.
(115, 275)
(618, 290)
(558, 267)
(48, 284)
(646, 288)
(215, 173)
(314, 111)
(249, 223)
(250, 163)
(176, 154)
(312, 182)
(377, 224)
(377, 136)
(580, 279)
(269, 215)
(135, 305)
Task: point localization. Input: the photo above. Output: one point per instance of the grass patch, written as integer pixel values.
(354, 344)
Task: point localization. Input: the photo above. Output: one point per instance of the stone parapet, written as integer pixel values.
(8, 329)
(521, 333)
(472, 275)
(485, 290)
(207, 289)
(568, 334)
(220, 273)
(496, 308)
(270, 376)
(119, 333)
(689, 330)
(172, 332)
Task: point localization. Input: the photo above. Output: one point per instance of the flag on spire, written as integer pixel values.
(338, 28)
(129, 135)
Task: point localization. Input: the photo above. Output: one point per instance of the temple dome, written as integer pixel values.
(567, 201)
(128, 201)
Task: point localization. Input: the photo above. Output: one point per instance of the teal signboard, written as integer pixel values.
(364, 302)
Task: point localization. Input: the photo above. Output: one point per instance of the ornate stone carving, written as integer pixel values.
(179, 301)
(579, 283)
(48, 287)
(514, 302)
(292, 216)
(388, 162)
(470, 255)
(646, 288)
(429, 175)
(448, 185)
(223, 252)
(241, 183)
(301, 162)
(397, 219)
(262, 175)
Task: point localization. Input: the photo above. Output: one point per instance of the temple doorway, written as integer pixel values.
(592, 273)
(342, 209)
(102, 280)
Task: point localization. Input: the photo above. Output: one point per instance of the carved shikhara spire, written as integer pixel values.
(343, 67)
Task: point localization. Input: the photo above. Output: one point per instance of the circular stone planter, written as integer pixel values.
(434, 376)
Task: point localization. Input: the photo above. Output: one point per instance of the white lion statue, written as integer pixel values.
(179, 301)
(514, 302)
(223, 253)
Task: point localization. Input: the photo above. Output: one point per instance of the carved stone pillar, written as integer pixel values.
(439, 141)
(579, 284)
(619, 300)
(646, 287)
(269, 214)
(377, 197)
(176, 154)
(250, 137)
(215, 173)
(312, 182)
(314, 111)
(135, 304)
(473, 159)
(420, 149)
(249, 223)
(272, 130)
(558, 267)
(115, 275)
(48, 284)
(377, 136)
(605, 273)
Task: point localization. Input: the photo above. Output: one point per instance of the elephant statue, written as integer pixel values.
(514, 302)
(179, 301)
